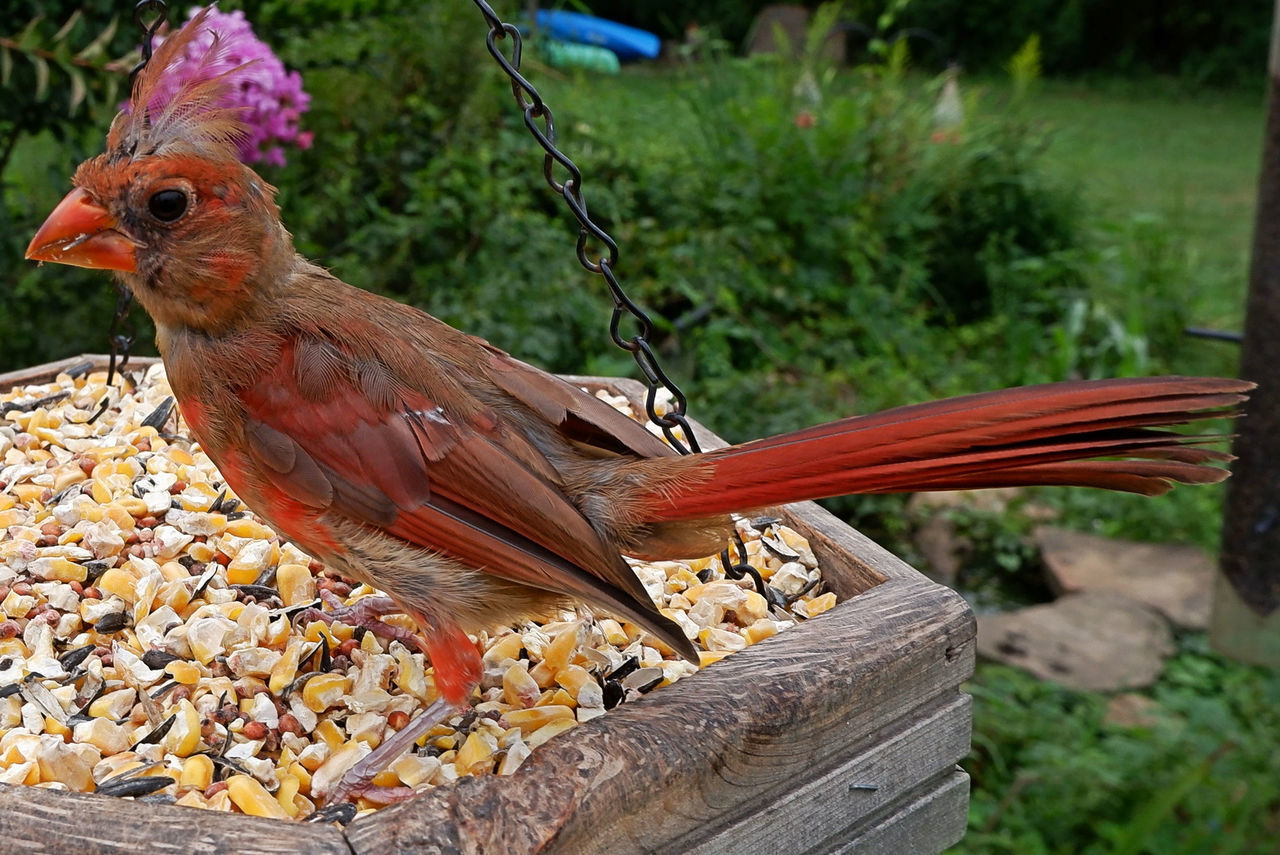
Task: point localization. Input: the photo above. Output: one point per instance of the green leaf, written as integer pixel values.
(27, 37)
(96, 47)
(6, 66)
(78, 89)
(42, 76)
(68, 26)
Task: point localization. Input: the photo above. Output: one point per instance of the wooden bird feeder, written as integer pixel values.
(839, 735)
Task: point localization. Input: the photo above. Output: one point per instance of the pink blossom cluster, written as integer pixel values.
(271, 97)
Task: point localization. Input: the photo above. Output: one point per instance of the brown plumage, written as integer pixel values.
(472, 487)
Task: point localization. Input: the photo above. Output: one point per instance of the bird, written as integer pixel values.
(473, 488)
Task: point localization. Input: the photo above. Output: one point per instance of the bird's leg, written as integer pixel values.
(366, 612)
(359, 778)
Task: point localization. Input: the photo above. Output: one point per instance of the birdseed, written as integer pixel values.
(154, 638)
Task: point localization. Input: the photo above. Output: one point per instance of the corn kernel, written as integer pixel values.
(197, 772)
(820, 604)
(67, 476)
(572, 679)
(324, 690)
(27, 493)
(386, 778)
(506, 647)
(253, 799)
(120, 517)
(303, 775)
(760, 630)
(184, 735)
(289, 786)
(613, 632)
(518, 688)
(113, 704)
(473, 754)
(181, 456)
(119, 581)
(55, 727)
(536, 717)
(133, 506)
(295, 584)
(245, 527)
(62, 570)
(557, 653)
(549, 730)
(184, 672)
(331, 734)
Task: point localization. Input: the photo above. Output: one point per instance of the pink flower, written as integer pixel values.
(272, 98)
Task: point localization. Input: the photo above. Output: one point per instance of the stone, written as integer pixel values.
(1097, 641)
(1176, 580)
(1130, 709)
(942, 548)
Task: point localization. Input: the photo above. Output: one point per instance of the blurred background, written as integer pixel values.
(858, 207)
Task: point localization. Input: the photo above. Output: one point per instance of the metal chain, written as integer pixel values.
(149, 31)
(123, 334)
(540, 122)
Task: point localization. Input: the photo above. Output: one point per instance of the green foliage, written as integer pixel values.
(1024, 66)
(1201, 43)
(1201, 775)
(56, 59)
(63, 69)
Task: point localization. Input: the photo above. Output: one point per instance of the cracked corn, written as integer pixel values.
(154, 639)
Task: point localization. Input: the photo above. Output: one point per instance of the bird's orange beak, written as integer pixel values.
(81, 232)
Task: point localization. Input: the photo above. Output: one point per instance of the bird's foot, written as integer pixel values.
(365, 612)
(358, 780)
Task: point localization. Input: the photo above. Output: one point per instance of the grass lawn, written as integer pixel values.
(1154, 154)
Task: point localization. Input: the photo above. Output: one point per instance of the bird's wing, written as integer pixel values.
(577, 415)
(345, 435)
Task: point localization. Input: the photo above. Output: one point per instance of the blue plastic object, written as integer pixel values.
(626, 42)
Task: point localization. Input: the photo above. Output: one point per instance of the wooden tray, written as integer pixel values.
(839, 735)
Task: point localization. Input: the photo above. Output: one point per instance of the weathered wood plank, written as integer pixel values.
(33, 820)
(49, 370)
(836, 805)
(753, 724)
(930, 823)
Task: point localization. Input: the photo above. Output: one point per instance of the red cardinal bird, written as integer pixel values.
(469, 486)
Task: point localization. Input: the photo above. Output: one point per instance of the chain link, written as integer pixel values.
(541, 124)
(149, 30)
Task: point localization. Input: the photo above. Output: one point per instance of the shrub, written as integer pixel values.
(803, 235)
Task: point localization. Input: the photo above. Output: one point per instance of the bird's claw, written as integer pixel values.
(365, 612)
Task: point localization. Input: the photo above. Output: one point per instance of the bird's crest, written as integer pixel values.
(185, 112)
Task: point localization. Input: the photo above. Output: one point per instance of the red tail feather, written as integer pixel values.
(1049, 434)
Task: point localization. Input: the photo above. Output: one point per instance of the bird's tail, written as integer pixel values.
(1100, 433)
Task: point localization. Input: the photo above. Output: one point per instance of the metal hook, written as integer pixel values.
(148, 30)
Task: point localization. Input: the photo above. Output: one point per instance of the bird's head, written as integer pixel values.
(169, 206)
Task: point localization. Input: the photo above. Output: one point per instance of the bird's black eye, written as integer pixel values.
(167, 205)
